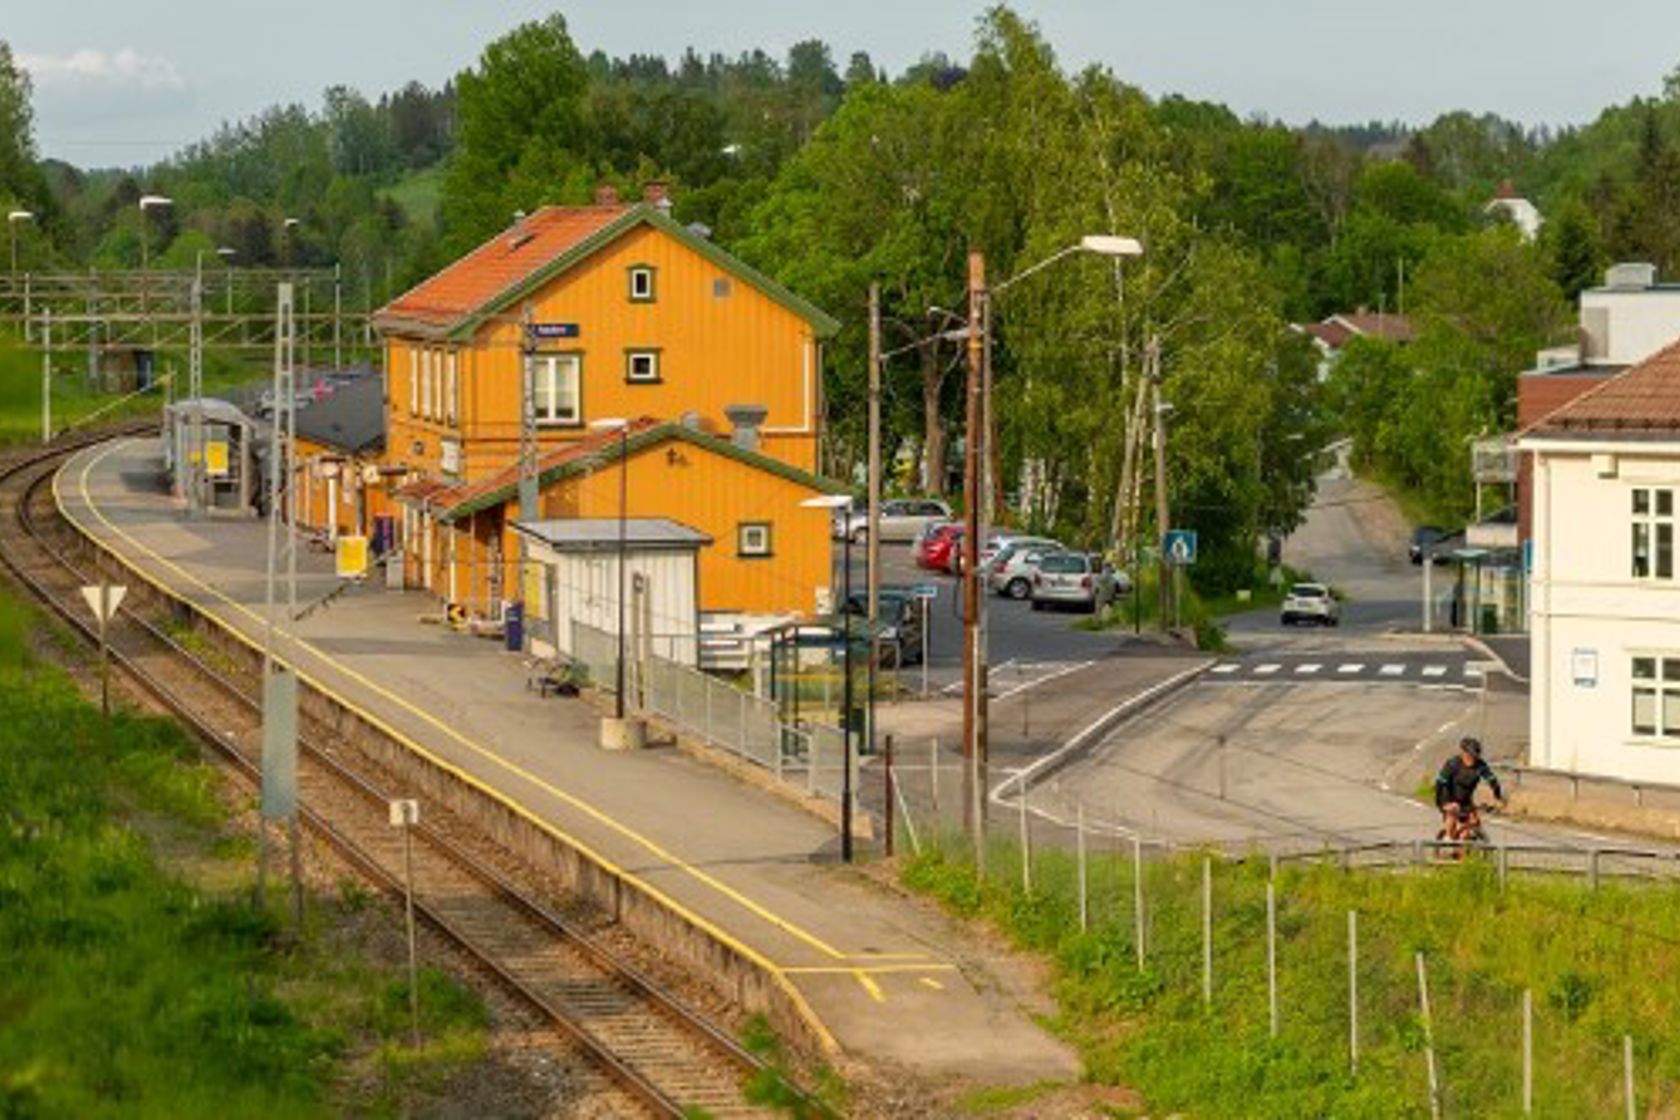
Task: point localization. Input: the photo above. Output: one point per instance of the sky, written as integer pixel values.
(125, 83)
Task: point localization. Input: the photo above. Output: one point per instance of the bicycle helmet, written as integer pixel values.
(1471, 746)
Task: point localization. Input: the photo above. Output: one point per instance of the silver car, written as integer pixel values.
(1074, 579)
(1010, 572)
(902, 519)
(1311, 602)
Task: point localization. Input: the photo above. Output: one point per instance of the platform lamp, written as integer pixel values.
(13, 220)
(227, 253)
(833, 502)
(622, 427)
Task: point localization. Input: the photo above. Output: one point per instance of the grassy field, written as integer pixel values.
(139, 979)
(1598, 964)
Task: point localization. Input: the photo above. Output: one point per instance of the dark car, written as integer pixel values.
(898, 632)
(1424, 539)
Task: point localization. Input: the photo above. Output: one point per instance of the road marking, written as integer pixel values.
(930, 982)
(1392, 670)
(1434, 670)
(1266, 670)
(1059, 669)
(1308, 669)
(1351, 668)
(1228, 667)
(587, 850)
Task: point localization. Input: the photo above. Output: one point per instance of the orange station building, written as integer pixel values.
(610, 311)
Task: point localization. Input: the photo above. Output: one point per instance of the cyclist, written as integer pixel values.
(1455, 788)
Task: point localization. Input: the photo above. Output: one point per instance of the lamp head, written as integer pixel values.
(1108, 245)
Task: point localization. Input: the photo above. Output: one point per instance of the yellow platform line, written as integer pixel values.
(777, 971)
(876, 970)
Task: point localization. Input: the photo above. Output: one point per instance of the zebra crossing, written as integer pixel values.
(1439, 668)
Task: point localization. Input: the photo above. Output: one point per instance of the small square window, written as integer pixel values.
(752, 538)
(641, 365)
(641, 283)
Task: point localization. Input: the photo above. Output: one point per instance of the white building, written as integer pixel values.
(1630, 318)
(1605, 590)
(1519, 211)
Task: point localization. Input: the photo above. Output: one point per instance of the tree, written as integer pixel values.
(21, 180)
(1572, 249)
(520, 117)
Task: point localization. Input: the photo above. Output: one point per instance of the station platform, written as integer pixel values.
(888, 980)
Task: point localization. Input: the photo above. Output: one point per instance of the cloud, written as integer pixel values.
(92, 69)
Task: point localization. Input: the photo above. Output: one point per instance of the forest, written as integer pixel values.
(834, 176)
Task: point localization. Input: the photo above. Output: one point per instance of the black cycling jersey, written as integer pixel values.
(1457, 782)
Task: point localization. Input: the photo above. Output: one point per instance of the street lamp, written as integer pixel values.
(833, 502)
(287, 229)
(227, 253)
(976, 489)
(13, 219)
(622, 427)
(148, 203)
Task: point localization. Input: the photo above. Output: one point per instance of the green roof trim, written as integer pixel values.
(637, 443)
(823, 324)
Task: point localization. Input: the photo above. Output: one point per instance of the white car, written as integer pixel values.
(902, 519)
(1311, 602)
(1075, 579)
(1010, 572)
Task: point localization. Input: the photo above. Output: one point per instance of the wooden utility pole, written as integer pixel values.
(974, 711)
(1163, 520)
(873, 555)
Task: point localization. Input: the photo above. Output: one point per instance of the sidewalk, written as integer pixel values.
(890, 981)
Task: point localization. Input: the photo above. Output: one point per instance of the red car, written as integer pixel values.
(938, 549)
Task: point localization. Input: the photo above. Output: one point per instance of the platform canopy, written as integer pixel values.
(601, 534)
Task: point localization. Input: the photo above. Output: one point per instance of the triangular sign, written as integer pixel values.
(103, 599)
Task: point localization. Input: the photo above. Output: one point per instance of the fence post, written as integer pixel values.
(1138, 924)
(1428, 1040)
(1079, 846)
(1627, 1076)
(1353, 992)
(1207, 931)
(1271, 955)
(1026, 843)
(1528, 1051)
(891, 789)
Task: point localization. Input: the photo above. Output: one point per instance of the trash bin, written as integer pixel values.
(513, 625)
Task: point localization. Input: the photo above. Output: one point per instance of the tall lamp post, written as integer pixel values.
(148, 203)
(14, 219)
(227, 253)
(622, 427)
(832, 502)
(976, 487)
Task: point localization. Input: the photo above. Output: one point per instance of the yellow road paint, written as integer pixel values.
(869, 985)
(930, 982)
(777, 971)
(881, 970)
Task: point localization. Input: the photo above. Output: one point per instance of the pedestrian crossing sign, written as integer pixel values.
(1179, 546)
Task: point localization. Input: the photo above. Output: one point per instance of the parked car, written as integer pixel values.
(938, 548)
(1010, 571)
(1425, 537)
(898, 620)
(1311, 602)
(1074, 579)
(902, 519)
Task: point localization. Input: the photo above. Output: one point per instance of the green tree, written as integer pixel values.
(1570, 241)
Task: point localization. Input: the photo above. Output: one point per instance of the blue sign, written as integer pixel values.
(553, 330)
(925, 591)
(1528, 558)
(1179, 546)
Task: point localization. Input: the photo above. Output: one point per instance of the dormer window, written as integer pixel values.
(641, 283)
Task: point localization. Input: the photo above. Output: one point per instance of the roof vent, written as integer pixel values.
(1631, 276)
(700, 230)
(521, 238)
(745, 421)
(693, 422)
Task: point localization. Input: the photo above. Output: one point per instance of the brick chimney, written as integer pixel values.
(658, 193)
(606, 195)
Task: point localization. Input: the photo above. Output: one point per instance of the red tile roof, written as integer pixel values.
(503, 262)
(1640, 403)
(1395, 328)
(1333, 335)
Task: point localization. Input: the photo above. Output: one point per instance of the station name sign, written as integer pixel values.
(552, 330)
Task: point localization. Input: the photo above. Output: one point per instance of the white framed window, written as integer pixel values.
(413, 381)
(1653, 533)
(641, 283)
(426, 383)
(641, 365)
(556, 388)
(451, 390)
(1656, 696)
(753, 538)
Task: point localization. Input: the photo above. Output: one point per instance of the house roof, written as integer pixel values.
(456, 301)
(1332, 334)
(351, 418)
(601, 534)
(1394, 328)
(1642, 402)
(592, 453)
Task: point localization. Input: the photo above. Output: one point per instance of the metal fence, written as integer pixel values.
(807, 756)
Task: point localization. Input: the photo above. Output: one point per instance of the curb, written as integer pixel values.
(1487, 653)
(1128, 708)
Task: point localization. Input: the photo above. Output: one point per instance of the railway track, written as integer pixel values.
(655, 1055)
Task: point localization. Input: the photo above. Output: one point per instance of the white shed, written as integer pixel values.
(577, 560)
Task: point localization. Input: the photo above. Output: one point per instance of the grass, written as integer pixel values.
(140, 980)
(1599, 964)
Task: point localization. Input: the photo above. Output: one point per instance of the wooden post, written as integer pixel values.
(891, 790)
(1627, 1077)
(1528, 1051)
(1353, 992)
(1207, 931)
(1026, 843)
(1271, 955)
(933, 778)
(1138, 924)
(1079, 847)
